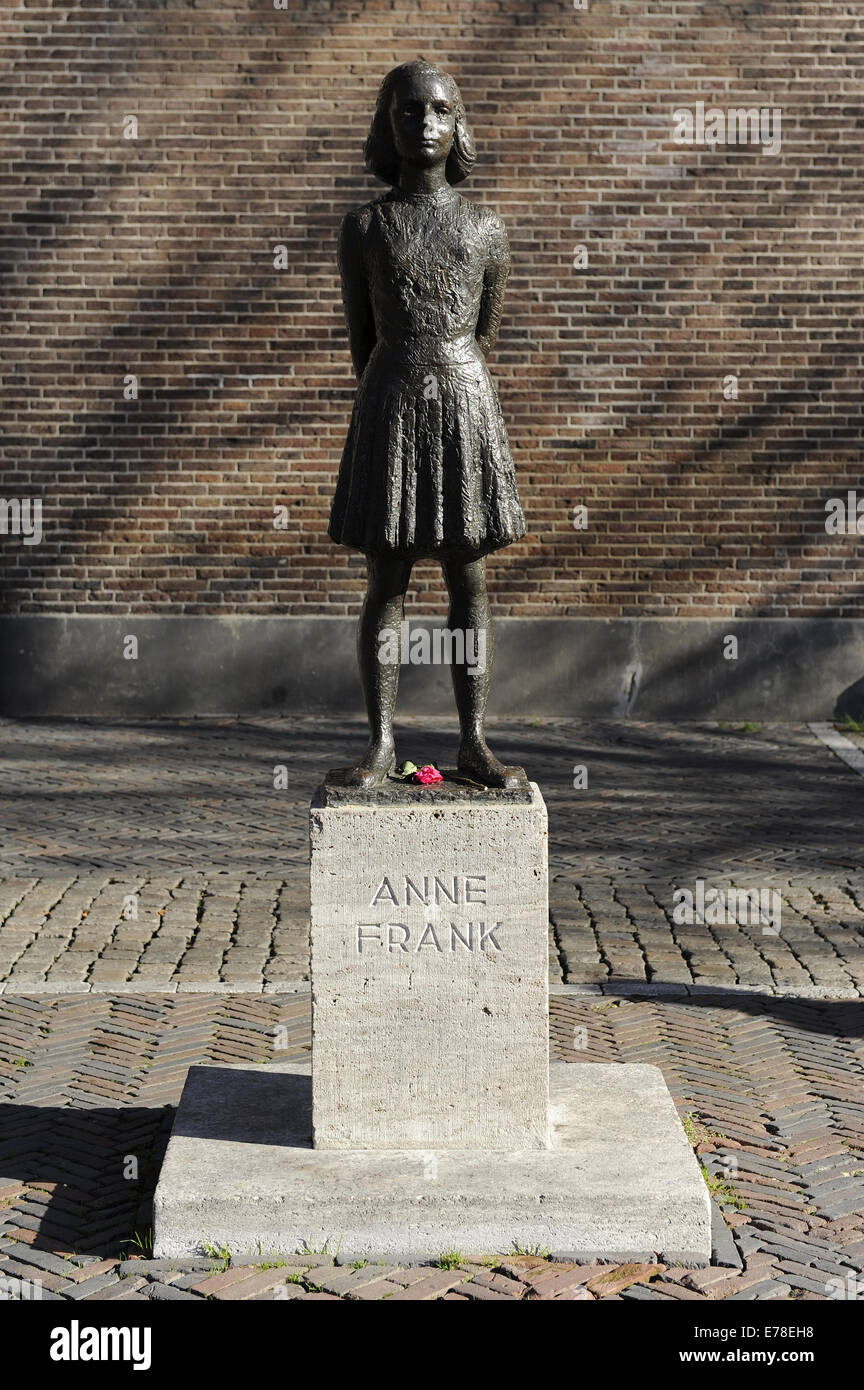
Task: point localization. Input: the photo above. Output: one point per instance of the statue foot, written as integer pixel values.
(476, 761)
(375, 768)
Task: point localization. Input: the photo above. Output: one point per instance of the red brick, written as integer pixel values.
(610, 378)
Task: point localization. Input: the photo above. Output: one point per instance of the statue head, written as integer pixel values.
(419, 118)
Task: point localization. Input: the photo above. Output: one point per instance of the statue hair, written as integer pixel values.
(380, 151)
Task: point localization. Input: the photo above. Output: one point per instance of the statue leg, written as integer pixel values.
(470, 615)
(379, 650)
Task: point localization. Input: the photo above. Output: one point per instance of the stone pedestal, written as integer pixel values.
(429, 970)
(429, 1122)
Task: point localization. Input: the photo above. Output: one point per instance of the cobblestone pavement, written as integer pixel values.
(161, 855)
(770, 1091)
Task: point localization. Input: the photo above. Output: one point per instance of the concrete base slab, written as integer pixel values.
(619, 1181)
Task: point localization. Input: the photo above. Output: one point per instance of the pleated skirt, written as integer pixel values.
(426, 468)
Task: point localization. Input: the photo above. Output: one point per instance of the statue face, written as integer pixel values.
(423, 117)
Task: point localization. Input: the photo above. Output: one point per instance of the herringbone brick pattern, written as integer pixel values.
(770, 1092)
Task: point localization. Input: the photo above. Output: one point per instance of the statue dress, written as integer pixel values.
(426, 469)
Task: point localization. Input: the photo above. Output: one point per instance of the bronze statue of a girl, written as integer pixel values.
(426, 469)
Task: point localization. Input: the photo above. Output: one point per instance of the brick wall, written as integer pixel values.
(154, 256)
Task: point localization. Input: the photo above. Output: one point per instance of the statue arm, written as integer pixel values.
(355, 294)
(494, 282)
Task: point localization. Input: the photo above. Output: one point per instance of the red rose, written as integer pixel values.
(428, 774)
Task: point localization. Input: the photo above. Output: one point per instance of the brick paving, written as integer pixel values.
(160, 855)
(153, 915)
(770, 1091)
